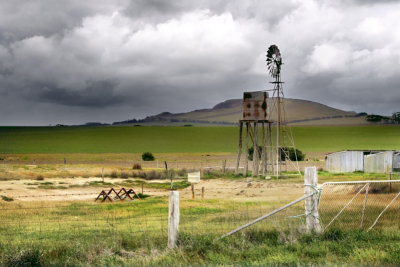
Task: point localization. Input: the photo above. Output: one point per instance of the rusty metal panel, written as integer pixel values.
(255, 106)
(378, 163)
(345, 161)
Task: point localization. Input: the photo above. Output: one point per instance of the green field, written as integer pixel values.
(135, 234)
(184, 139)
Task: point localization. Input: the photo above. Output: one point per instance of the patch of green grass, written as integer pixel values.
(121, 234)
(184, 139)
(99, 183)
(176, 185)
(142, 196)
(52, 187)
(251, 248)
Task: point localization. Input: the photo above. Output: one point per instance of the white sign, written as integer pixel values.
(194, 177)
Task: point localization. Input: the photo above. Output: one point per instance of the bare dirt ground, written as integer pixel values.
(238, 189)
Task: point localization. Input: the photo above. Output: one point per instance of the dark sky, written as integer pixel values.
(78, 61)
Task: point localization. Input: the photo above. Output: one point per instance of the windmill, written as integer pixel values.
(284, 137)
(257, 112)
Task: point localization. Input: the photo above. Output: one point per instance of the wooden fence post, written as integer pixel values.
(264, 151)
(202, 193)
(255, 151)
(192, 191)
(246, 160)
(173, 218)
(311, 203)
(240, 148)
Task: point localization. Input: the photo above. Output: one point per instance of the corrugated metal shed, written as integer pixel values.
(345, 161)
(379, 162)
(382, 162)
(396, 161)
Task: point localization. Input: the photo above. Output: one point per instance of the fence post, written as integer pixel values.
(255, 151)
(240, 148)
(311, 203)
(173, 218)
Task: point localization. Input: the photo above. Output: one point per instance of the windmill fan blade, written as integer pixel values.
(274, 60)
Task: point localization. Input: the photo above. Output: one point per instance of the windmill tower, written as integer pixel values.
(261, 111)
(254, 116)
(284, 137)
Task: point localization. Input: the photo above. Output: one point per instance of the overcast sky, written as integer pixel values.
(78, 61)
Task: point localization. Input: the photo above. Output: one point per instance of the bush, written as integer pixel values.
(374, 118)
(148, 156)
(114, 174)
(293, 153)
(25, 258)
(137, 166)
(251, 151)
(152, 175)
(8, 199)
(139, 174)
(141, 196)
(39, 178)
(182, 172)
(124, 175)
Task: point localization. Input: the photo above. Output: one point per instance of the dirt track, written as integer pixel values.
(27, 190)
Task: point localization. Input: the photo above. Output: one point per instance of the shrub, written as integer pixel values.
(139, 174)
(8, 199)
(153, 175)
(374, 118)
(293, 153)
(31, 257)
(141, 196)
(114, 174)
(148, 156)
(124, 175)
(39, 178)
(251, 151)
(137, 166)
(182, 172)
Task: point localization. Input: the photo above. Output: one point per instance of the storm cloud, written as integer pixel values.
(73, 61)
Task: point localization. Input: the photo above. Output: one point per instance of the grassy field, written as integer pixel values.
(14, 140)
(134, 234)
(57, 231)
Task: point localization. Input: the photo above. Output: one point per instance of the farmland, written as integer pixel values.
(48, 140)
(48, 216)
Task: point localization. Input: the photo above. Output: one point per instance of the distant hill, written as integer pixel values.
(298, 112)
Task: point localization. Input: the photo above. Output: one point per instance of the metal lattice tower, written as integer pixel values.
(284, 136)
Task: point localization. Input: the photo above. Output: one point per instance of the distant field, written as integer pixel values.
(15, 140)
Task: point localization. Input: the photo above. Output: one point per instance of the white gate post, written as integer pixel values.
(311, 203)
(173, 218)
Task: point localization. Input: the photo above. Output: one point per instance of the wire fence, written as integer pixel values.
(360, 205)
(346, 205)
(216, 163)
(73, 220)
